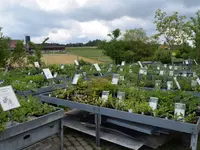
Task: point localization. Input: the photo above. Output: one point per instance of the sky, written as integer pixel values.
(65, 21)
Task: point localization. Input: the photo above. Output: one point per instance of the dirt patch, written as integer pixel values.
(65, 59)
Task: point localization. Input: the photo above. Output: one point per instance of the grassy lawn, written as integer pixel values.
(89, 52)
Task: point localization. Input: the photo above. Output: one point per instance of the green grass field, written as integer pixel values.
(89, 52)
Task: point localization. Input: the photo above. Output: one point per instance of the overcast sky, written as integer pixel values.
(65, 21)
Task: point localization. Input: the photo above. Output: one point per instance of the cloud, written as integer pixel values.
(67, 21)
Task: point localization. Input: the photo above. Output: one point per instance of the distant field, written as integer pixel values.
(89, 52)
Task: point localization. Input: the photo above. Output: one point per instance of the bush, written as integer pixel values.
(163, 56)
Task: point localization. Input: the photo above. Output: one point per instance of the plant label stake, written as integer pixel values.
(8, 100)
(161, 72)
(115, 79)
(105, 95)
(158, 67)
(140, 64)
(121, 78)
(169, 85)
(171, 73)
(123, 63)
(179, 110)
(75, 79)
(121, 69)
(76, 62)
(143, 71)
(153, 102)
(193, 83)
(186, 62)
(170, 67)
(175, 68)
(62, 67)
(55, 75)
(165, 65)
(120, 95)
(37, 65)
(177, 84)
(6, 70)
(98, 68)
(48, 73)
(198, 80)
(184, 74)
(195, 62)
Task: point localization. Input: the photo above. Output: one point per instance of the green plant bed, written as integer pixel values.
(136, 100)
(30, 107)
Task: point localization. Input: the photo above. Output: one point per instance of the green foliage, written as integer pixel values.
(115, 34)
(163, 56)
(37, 51)
(135, 35)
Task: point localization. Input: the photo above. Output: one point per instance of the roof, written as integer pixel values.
(13, 43)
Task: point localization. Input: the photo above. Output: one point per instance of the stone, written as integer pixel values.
(71, 139)
(80, 148)
(75, 143)
(83, 143)
(88, 147)
(71, 148)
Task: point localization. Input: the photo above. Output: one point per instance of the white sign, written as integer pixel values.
(161, 72)
(158, 67)
(115, 79)
(177, 84)
(37, 65)
(169, 85)
(62, 66)
(97, 67)
(171, 73)
(170, 67)
(143, 71)
(8, 99)
(186, 62)
(153, 102)
(179, 110)
(121, 69)
(55, 75)
(123, 63)
(75, 79)
(120, 95)
(105, 95)
(109, 70)
(140, 64)
(165, 65)
(175, 68)
(76, 62)
(184, 74)
(47, 73)
(198, 80)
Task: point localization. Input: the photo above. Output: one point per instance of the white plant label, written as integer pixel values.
(140, 64)
(158, 68)
(165, 65)
(84, 74)
(8, 99)
(186, 62)
(194, 83)
(115, 79)
(161, 72)
(109, 70)
(179, 110)
(198, 80)
(184, 74)
(97, 67)
(121, 78)
(169, 85)
(55, 75)
(62, 66)
(76, 62)
(153, 102)
(170, 67)
(123, 63)
(175, 68)
(121, 69)
(111, 65)
(47, 73)
(130, 71)
(171, 73)
(177, 84)
(143, 71)
(37, 65)
(75, 79)
(105, 95)
(120, 95)
(195, 62)
(6, 70)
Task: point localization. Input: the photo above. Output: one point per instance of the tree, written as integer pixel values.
(18, 55)
(135, 35)
(37, 51)
(173, 28)
(195, 27)
(4, 49)
(115, 34)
